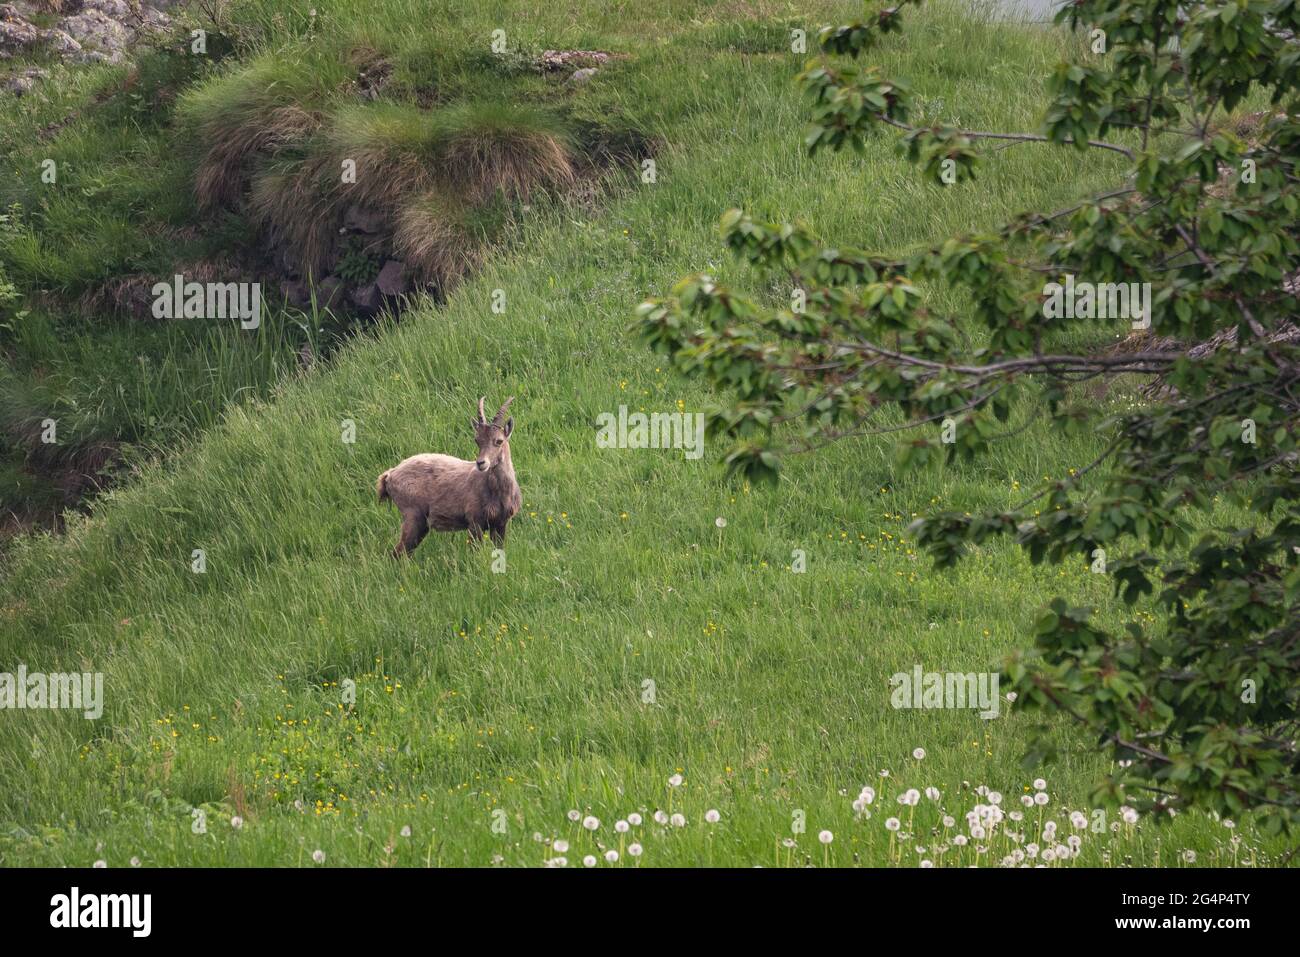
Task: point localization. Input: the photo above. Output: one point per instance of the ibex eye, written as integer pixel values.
(501, 441)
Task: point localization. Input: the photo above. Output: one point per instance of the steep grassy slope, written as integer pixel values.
(488, 706)
(293, 150)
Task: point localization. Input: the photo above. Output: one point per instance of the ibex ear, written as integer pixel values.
(510, 426)
(473, 425)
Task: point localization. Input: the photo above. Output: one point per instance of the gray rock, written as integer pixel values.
(61, 44)
(16, 34)
(366, 297)
(97, 30)
(329, 292)
(23, 81)
(392, 279)
(359, 219)
(18, 85)
(554, 60)
(295, 293)
(117, 9)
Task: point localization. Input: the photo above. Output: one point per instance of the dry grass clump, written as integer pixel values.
(283, 147)
(408, 162)
(493, 148)
(434, 240)
(222, 173)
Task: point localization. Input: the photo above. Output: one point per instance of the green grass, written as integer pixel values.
(485, 699)
(189, 163)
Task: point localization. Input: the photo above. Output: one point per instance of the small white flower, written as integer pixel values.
(589, 860)
(1040, 784)
(949, 820)
(1189, 856)
(675, 781)
(678, 820)
(919, 754)
(1049, 855)
(622, 827)
(611, 856)
(236, 822)
(135, 862)
(1027, 800)
(1078, 820)
(1011, 696)
(1040, 798)
(634, 850)
(867, 796)
(825, 837)
(661, 817)
(560, 846)
(933, 793)
(995, 797)
(318, 856)
(927, 863)
(100, 864)
(575, 816)
(634, 819)
(960, 840)
(1031, 850)
(893, 824)
(712, 816)
(590, 823)
(406, 830)
(1130, 816)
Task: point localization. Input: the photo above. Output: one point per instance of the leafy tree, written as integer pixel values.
(1199, 710)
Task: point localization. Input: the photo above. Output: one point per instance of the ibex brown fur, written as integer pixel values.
(446, 494)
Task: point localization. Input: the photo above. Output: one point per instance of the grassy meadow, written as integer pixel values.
(648, 625)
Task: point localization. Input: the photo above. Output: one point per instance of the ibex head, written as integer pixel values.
(491, 436)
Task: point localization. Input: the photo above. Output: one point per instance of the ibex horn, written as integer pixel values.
(501, 413)
(482, 416)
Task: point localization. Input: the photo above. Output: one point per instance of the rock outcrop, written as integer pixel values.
(87, 31)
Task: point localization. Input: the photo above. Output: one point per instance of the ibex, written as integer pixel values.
(447, 494)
